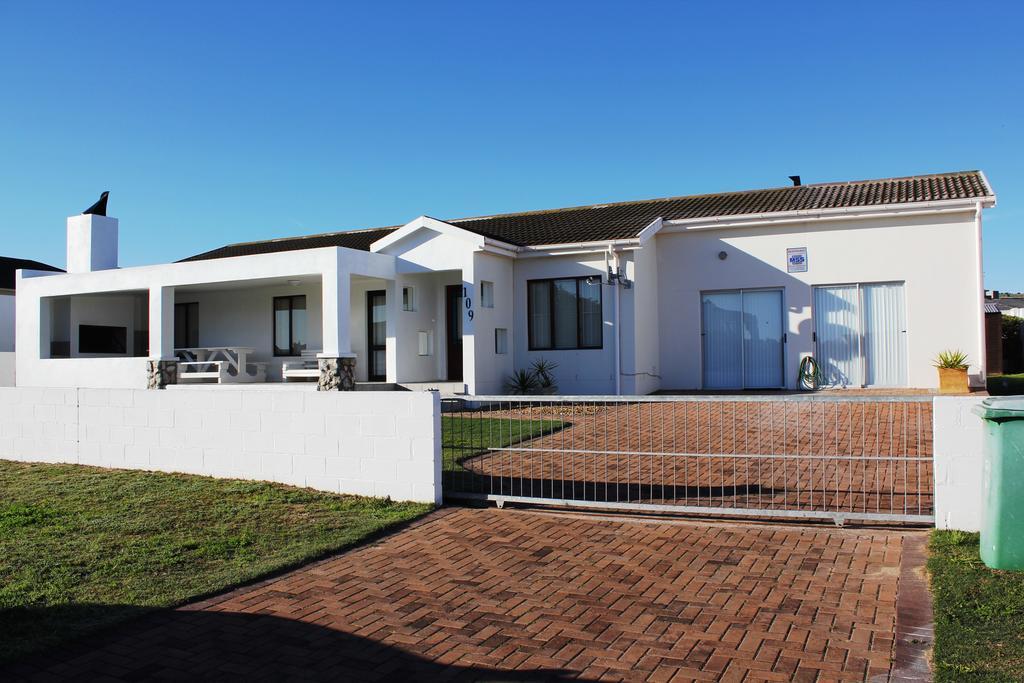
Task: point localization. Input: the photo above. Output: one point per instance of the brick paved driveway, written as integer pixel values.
(525, 595)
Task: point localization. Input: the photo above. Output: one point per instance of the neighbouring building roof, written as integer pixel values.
(9, 265)
(990, 307)
(625, 220)
(1008, 303)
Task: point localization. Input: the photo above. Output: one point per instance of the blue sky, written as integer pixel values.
(219, 122)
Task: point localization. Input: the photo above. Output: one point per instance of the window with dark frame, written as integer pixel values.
(289, 325)
(564, 313)
(186, 325)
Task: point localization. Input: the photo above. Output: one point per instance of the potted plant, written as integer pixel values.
(952, 366)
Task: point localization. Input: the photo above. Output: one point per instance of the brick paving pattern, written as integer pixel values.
(469, 594)
(862, 456)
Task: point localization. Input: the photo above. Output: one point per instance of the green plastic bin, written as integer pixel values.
(1002, 520)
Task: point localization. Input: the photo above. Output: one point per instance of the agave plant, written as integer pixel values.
(521, 383)
(951, 360)
(543, 370)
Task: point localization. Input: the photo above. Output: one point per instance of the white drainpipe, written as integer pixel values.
(982, 364)
(614, 257)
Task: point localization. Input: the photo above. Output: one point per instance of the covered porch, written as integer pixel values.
(394, 334)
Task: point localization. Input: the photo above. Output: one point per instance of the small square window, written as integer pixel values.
(426, 343)
(486, 294)
(408, 299)
(500, 341)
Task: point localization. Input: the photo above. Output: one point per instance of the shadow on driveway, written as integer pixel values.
(194, 645)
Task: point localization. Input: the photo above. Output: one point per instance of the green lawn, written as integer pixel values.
(83, 547)
(979, 613)
(465, 437)
(1005, 385)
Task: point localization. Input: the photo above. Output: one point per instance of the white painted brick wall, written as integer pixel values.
(958, 437)
(365, 443)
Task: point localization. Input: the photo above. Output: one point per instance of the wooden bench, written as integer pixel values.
(220, 364)
(306, 368)
(201, 370)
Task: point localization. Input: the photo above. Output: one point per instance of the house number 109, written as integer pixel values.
(469, 304)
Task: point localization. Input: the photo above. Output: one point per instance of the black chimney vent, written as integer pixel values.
(99, 208)
(796, 180)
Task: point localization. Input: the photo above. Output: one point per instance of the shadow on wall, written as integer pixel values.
(215, 645)
(748, 325)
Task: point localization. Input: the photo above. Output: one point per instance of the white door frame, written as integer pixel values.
(784, 340)
(862, 327)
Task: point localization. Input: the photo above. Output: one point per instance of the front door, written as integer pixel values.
(376, 335)
(453, 331)
(743, 339)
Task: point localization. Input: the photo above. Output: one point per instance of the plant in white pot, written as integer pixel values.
(952, 366)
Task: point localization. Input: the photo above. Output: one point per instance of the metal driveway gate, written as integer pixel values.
(842, 458)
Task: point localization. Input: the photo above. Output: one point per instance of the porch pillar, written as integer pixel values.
(162, 366)
(393, 298)
(337, 363)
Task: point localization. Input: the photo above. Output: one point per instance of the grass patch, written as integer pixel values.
(979, 613)
(465, 437)
(1005, 385)
(82, 548)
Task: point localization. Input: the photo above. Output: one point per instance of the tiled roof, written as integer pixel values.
(9, 265)
(352, 239)
(625, 220)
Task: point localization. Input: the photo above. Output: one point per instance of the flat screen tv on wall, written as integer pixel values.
(102, 339)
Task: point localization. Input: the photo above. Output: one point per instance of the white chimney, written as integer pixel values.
(92, 240)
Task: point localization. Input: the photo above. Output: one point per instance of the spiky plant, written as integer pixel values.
(951, 359)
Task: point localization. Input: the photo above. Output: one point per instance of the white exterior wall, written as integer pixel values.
(7, 326)
(641, 360)
(492, 369)
(958, 438)
(362, 443)
(450, 255)
(7, 367)
(579, 371)
(428, 291)
(935, 256)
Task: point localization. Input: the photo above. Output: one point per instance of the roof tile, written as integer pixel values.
(625, 220)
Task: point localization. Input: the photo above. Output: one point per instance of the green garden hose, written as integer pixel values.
(810, 377)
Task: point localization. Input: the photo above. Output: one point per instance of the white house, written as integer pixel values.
(722, 291)
(8, 278)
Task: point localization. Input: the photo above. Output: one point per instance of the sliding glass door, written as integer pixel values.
(743, 339)
(860, 334)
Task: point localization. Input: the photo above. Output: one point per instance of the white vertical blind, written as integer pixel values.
(540, 314)
(837, 327)
(762, 339)
(723, 340)
(884, 343)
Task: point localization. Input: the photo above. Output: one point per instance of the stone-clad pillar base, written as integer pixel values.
(337, 374)
(161, 373)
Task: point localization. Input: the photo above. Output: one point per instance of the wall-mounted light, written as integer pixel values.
(295, 283)
(722, 255)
